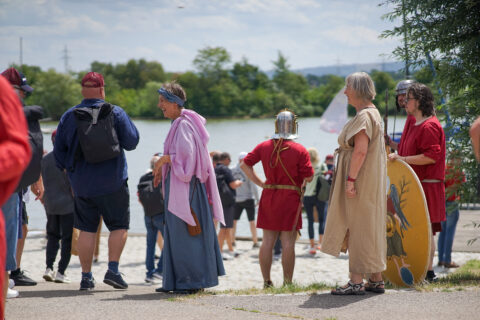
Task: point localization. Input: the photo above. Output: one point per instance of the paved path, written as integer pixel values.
(52, 301)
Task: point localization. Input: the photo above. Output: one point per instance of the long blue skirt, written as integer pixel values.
(191, 262)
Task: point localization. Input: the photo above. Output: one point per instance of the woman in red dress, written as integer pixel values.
(423, 148)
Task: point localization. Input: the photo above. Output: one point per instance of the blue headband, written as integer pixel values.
(171, 97)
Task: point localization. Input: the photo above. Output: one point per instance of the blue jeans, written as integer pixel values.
(445, 239)
(309, 202)
(153, 225)
(10, 213)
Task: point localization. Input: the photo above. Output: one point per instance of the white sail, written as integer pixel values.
(335, 117)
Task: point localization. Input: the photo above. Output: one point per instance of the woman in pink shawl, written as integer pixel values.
(190, 263)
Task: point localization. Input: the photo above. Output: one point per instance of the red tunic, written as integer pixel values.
(278, 207)
(14, 158)
(428, 138)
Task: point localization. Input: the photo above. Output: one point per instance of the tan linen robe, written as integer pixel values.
(365, 215)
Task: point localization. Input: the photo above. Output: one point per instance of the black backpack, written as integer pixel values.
(96, 133)
(322, 189)
(226, 194)
(150, 197)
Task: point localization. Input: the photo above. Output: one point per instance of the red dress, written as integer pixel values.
(278, 207)
(428, 138)
(14, 158)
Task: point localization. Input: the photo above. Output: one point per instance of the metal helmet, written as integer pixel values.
(403, 85)
(286, 126)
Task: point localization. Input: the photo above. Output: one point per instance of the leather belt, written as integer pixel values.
(431, 181)
(283, 186)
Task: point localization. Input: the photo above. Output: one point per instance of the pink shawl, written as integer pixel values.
(186, 143)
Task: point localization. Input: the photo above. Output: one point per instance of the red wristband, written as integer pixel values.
(351, 179)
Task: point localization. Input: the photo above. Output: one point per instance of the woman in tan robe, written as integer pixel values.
(357, 207)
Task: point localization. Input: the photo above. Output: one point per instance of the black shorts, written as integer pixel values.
(113, 207)
(228, 213)
(249, 206)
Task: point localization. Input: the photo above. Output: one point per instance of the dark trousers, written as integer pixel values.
(309, 203)
(59, 228)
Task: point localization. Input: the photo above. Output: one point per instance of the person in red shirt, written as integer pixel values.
(423, 148)
(14, 157)
(287, 166)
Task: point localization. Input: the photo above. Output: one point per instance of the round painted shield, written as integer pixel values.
(408, 227)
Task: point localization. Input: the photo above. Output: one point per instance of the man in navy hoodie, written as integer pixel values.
(100, 188)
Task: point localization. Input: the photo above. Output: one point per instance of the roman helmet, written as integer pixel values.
(286, 126)
(401, 88)
(403, 85)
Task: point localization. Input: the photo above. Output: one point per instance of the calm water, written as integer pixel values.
(232, 136)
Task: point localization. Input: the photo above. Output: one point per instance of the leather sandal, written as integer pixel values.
(349, 289)
(377, 287)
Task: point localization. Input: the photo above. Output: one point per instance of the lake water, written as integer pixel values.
(232, 136)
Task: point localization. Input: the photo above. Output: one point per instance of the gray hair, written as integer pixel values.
(362, 84)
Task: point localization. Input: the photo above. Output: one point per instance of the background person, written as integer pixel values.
(423, 148)
(246, 199)
(224, 176)
(100, 189)
(358, 204)
(14, 158)
(152, 202)
(191, 262)
(31, 176)
(310, 201)
(400, 102)
(454, 177)
(59, 206)
(287, 166)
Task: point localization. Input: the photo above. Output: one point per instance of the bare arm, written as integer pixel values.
(235, 184)
(251, 174)
(475, 136)
(157, 170)
(358, 157)
(418, 159)
(37, 189)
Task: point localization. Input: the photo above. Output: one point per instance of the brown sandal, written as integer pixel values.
(375, 286)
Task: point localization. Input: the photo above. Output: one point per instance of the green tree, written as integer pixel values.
(55, 92)
(448, 33)
(211, 62)
(292, 84)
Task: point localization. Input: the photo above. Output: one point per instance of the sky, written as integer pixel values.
(309, 33)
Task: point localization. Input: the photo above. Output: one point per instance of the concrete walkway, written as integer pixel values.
(52, 301)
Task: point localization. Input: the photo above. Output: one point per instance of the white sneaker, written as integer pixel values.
(11, 283)
(61, 278)
(49, 275)
(12, 293)
(157, 276)
(226, 256)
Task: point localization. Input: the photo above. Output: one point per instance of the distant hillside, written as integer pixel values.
(345, 70)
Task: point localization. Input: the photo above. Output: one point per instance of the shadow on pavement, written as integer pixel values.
(329, 301)
(57, 293)
(145, 297)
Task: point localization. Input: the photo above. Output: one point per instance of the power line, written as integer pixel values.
(65, 58)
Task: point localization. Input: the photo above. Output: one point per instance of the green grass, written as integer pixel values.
(285, 289)
(467, 275)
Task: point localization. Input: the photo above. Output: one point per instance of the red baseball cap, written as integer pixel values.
(329, 156)
(93, 80)
(17, 79)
